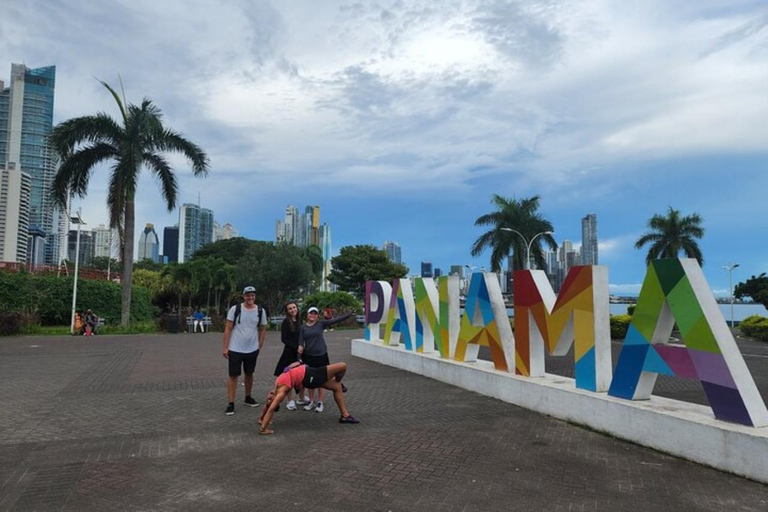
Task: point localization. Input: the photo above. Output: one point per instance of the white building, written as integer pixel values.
(589, 240)
(224, 232)
(195, 229)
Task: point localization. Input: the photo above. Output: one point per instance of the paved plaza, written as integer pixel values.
(136, 423)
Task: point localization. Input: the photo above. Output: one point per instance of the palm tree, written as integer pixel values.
(521, 215)
(671, 234)
(84, 142)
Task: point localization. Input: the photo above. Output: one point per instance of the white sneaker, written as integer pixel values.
(310, 406)
(319, 407)
(302, 401)
(291, 405)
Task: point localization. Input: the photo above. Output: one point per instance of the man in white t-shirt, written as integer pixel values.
(243, 338)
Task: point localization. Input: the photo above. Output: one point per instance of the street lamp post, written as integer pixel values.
(729, 267)
(79, 221)
(528, 244)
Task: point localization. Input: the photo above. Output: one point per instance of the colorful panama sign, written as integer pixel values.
(426, 319)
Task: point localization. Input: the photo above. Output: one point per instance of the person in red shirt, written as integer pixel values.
(298, 376)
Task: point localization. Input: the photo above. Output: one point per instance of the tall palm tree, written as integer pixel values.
(671, 233)
(521, 215)
(139, 142)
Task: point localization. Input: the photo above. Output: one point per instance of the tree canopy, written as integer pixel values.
(671, 233)
(229, 250)
(138, 142)
(756, 287)
(521, 215)
(357, 264)
(277, 271)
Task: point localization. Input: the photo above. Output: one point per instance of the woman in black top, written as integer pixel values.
(289, 335)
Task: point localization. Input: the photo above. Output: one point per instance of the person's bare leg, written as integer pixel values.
(338, 396)
(336, 371)
(248, 381)
(231, 388)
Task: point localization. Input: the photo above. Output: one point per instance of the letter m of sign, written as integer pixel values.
(675, 291)
(580, 314)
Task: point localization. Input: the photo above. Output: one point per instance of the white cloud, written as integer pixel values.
(625, 289)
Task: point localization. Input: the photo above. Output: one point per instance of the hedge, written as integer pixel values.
(619, 326)
(755, 326)
(47, 299)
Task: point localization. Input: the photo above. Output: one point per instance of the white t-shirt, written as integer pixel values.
(245, 332)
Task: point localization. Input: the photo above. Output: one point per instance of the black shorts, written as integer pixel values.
(315, 361)
(238, 359)
(315, 377)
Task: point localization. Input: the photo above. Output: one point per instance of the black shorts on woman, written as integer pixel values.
(315, 377)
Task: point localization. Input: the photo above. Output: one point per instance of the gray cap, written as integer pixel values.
(249, 289)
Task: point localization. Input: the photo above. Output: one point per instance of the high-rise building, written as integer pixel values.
(27, 163)
(457, 270)
(171, 244)
(104, 242)
(589, 239)
(300, 229)
(149, 244)
(195, 229)
(224, 232)
(85, 257)
(325, 244)
(426, 269)
(26, 121)
(438, 272)
(393, 251)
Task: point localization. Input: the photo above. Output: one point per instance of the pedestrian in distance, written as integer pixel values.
(79, 327)
(243, 338)
(298, 376)
(328, 315)
(289, 335)
(91, 322)
(199, 319)
(313, 350)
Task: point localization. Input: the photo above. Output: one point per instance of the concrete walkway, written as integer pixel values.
(137, 423)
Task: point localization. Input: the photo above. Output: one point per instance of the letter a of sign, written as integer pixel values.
(485, 322)
(675, 290)
(580, 315)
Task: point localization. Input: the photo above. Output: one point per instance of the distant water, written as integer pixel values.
(740, 311)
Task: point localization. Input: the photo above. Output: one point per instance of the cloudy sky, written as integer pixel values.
(401, 118)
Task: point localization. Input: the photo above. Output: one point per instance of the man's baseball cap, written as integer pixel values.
(249, 289)
(313, 309)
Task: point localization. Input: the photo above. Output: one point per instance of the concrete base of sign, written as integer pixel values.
(686, 430)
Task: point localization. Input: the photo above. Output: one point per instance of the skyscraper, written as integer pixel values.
(426, 269)
(149, 244)
(195, 229)
(325, 244)
(393, 251)
(85, 256)
(224, 232)
(104, 241)
(299, 229)
(589, 239)
(171, 244)
(27, 164)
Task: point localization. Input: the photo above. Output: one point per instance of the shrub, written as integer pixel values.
(631, 309)
(48, 298)
(619, 326)
(755, 326)
(10, 324)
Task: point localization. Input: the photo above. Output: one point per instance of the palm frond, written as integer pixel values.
(66, 136)
(75, 171)
(169, 140)
(114, 94)
(165, 175)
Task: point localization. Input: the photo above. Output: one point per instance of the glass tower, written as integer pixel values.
(26, 121)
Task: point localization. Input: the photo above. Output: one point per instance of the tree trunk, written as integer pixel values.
(127, 263)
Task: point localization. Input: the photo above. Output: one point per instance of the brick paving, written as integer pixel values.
(136, 423)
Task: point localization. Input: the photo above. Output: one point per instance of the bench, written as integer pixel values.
(191, 323)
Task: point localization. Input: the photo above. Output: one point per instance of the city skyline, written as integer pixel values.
(403, 121)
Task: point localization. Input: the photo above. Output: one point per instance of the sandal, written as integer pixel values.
(265, 432)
